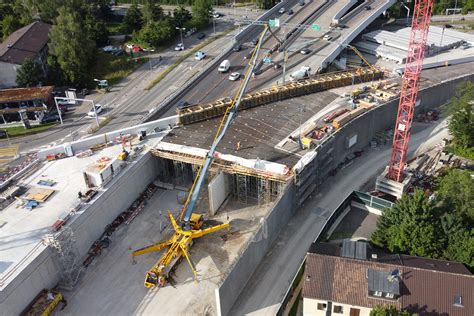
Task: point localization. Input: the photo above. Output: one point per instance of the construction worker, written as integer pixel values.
(237, 147)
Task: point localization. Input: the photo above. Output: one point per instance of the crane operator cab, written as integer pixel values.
(151, 279)
(196, 221)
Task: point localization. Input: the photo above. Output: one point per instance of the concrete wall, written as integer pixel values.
(8, 75)
(251, 257)
(84, 144)
(39, 274)
(120, 194)
(42, 272)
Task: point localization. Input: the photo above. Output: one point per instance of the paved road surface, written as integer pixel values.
(273, 276)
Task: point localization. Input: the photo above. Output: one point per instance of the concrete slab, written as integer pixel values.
(357, 224)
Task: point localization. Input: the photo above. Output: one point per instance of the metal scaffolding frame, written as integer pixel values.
(241, 186)
(70, 267)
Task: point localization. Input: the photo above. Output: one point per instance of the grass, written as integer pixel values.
(183, 57)
(21, 131)
(294, 308)
(102, 123)
(115, 68)
(114, 28)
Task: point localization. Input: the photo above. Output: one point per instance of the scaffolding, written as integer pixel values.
(70, 267)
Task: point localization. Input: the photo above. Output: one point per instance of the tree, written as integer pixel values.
(461, 124)
(9, 25)
(71, 47)
(29, 74)
(410, 226)
(132, 20)
(26, 10)
(151, 11)
(96, 30)
(201, 9)
(456, 192)
(390, 310)
(181, 17)
(157, 33)
(459, 240)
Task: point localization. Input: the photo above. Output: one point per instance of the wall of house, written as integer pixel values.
(310, 308)
(8, 75)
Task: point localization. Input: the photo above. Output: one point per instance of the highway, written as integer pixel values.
(270, 281)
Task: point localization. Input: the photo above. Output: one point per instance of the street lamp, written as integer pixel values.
(181, 29)
(213, 21)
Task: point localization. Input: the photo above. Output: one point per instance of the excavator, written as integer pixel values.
(190, 226)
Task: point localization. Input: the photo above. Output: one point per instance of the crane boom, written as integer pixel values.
(410, 86)
(226, 122)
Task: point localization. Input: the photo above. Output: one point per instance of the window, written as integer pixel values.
(457, 300)
(322, 306)
(337, 309)
(378, 293)
(389, 295)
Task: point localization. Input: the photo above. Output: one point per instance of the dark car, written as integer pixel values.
(290, 12)
(182, 104)
(51, 117)
(3, 133)
(255, 42)
(368, 7)
(237, 48)
(305, 51)
(201, 35)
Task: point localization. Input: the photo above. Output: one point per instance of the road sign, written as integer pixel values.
(315, 27)
(274, 23)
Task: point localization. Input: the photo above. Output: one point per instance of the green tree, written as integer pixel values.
(461, 124)
(390, 310)
(9, 25)
(132, 20)
(157, 33)
(29, 74)
(72, 48)
(201, 10)
(181, 17)
(96, 30)
(456, 191)
(410, 226)
(151, 11)
(459, 240)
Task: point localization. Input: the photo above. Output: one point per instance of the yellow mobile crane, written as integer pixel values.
(178, 245)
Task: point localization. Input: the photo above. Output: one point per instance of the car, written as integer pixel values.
(301, 3)
(98, 109)
(182, 104)
(255, 42)
(179, 47)
(137, 49)
(199, 55)
(201, 36)
(368, 7)
(237, 48)
(327, 37)
(305, 51)
(50, 117)
(3, 133)
(234, 76)
(282, 10)
(290, 12)
(130, 46)
(216, 15)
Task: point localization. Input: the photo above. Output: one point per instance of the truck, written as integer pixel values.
(300, 74)
(343, 119)
(224, 66)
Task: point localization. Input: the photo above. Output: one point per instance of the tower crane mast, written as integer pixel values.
(410, 87)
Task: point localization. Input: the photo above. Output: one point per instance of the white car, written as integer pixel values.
(282, 10)
(98, 109)
(199, 55)
(234, 76)
(216, 15)
(179, 47)
(327, 37)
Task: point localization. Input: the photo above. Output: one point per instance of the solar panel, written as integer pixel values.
(378, 281)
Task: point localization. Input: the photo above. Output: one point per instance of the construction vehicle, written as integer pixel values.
(191, 224)
(44, 303)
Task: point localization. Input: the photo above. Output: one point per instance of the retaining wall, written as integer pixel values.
(251, 257)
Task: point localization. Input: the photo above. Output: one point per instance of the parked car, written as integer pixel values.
(201, 36)
(301, 3)
(199, 55)
(327, 37)
(182, 104)
(136, 48)
(3, 133)
(216, 15)
(179, 47)
(98, 109)
(282, 10)
(237, 48)
(255, 42)
(49, 118)
(290, 12)
(305, 51)
(234, 76)
(368, 7)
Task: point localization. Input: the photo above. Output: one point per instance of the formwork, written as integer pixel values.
(201, 112)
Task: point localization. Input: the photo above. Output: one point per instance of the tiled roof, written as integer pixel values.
(25, 94)
(424, 290)
(24, 43)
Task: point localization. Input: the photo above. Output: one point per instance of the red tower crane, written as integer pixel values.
(410, 86)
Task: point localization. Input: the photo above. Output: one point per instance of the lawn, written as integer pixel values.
(21, 131)
(115, 68)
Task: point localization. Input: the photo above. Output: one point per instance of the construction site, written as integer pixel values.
(173, 216)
